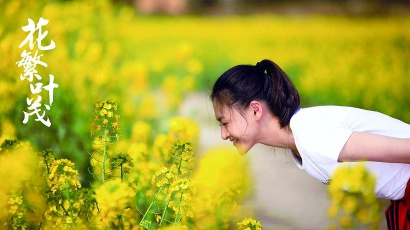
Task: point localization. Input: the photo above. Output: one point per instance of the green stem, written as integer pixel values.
(149, 207)
(180, 198)
(20, 223)
(179, 208)
(179, 166)
(69, 201)
(48, 169)
(121, 171)
(163, 214)
(104, 157)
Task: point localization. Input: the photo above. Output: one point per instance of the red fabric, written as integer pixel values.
(398, 212)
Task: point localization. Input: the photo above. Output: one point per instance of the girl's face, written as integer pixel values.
(236, 126)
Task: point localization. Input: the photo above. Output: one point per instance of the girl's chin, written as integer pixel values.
(242, 149)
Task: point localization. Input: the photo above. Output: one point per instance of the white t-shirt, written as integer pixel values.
(321, 132)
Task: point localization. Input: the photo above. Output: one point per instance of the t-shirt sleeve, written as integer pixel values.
(334, 139)
(321, 133)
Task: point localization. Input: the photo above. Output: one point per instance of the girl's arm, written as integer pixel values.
(373, 147)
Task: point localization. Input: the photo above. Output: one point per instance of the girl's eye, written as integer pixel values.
(223, 124)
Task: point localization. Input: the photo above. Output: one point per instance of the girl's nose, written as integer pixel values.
(224, 133)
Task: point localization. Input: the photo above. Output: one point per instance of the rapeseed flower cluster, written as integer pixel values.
(122, 162)
(179, 128)
(48, 156)
(184, 129)
(144, 166)
(105, 122)
(180, 191)
(353, 199)
(68, 204)
(115, 199)
(23, 206)
(151, 190)
(179, 198)
(173, 192)
(159, 173)
(23, 200)
(17, 211)
(63, 183)
(249, 224)
(7, 130)
(9, 145)
(218, 198)
(105, 126)
(63, 177)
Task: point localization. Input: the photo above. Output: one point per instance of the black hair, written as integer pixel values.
(265, 81)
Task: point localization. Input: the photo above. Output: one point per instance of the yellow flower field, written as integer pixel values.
(117, 155)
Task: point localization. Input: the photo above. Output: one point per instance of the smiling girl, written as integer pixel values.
(259, 104)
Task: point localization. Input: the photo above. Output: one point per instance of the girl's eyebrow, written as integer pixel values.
(220, 118)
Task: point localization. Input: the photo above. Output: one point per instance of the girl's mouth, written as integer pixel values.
(234, 140)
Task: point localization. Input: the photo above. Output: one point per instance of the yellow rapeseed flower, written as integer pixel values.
(333, 210)
(141, 132)
(345, 221)
(113, 198)
(352, 193)
(249, 223)
(350, 204)
(183, 129)
(158, 218)
(221, 181)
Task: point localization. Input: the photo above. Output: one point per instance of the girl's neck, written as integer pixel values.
(272, 134)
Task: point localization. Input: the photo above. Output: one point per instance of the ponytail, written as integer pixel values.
(265, 81)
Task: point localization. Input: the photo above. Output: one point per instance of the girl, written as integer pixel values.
(259, 104)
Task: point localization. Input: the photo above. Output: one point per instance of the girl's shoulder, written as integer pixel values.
(334, 113)
(329, 118)
(330, 109)
(323, 114)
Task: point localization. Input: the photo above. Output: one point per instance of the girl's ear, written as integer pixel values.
(256, 108)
